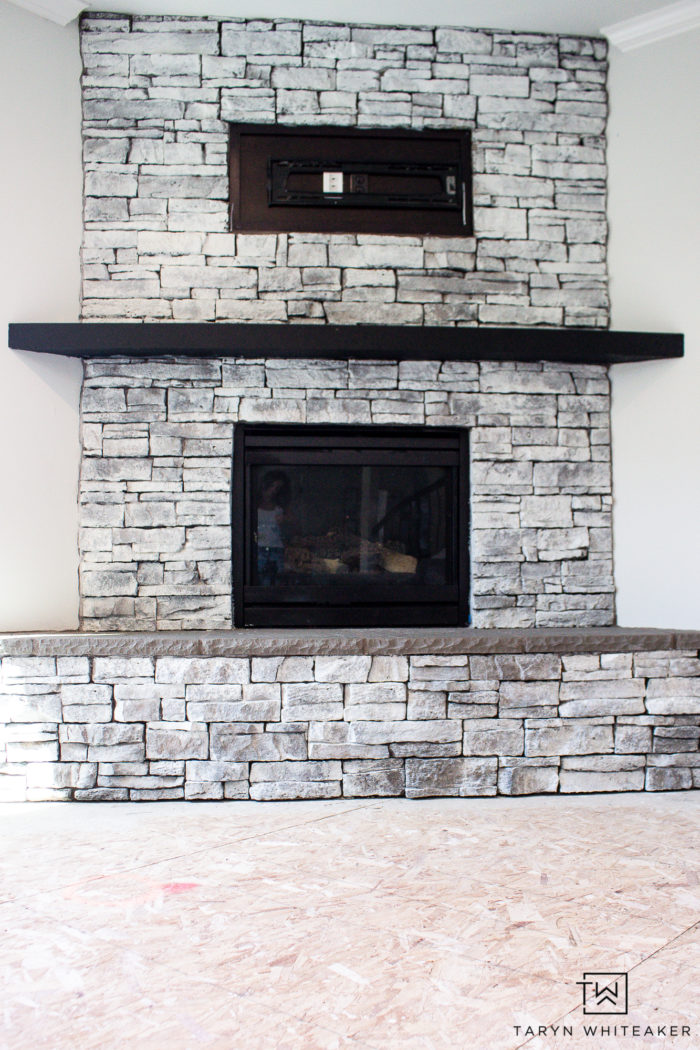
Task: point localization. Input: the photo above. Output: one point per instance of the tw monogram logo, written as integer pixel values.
(604, 993)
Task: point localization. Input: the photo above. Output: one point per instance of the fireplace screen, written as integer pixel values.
(343, 525)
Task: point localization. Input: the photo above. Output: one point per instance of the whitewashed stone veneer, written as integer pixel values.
(157, 436)
(155, 487)
(157, 95)
(287, 727)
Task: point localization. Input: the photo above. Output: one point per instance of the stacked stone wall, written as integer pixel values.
(158, 94)
(155, 488)
(286, 727)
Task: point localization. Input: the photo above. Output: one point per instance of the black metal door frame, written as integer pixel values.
(359, 604)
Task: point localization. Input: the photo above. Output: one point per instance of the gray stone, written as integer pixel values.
(389, 669)
(527, 777)
(462, 777)
(373, 778)
(673, 696)
(530, 695)
(246, 743)
(632, 739)
(310, 700)
(577, 781)
(494, 736)
(287, 790)
(302, 772)
(202, 670)
(212, 772)
(668, 779)
(564, 737)
(177, 740)
(375, 693)
(342, 668)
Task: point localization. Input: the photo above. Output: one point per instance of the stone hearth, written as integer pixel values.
(309, 714)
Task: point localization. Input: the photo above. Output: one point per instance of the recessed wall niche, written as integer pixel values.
(350, 180)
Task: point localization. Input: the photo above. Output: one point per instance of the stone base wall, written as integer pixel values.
(146, 727)
(155, 488)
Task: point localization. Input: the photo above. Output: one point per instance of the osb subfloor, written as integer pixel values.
(363, 924)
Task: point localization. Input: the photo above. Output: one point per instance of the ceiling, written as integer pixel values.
(553, 16)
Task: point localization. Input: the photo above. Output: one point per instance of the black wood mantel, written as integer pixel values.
(338, 342)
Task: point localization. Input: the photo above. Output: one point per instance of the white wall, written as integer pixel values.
(654, 209)
(40, 190)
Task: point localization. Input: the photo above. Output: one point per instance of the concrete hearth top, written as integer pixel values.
(315, 642)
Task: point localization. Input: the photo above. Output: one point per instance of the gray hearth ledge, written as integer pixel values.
(397, 641)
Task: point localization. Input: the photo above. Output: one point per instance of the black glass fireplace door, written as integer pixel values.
(349, 526)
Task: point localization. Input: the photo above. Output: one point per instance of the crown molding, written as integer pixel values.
(654, 25)
(59, 11)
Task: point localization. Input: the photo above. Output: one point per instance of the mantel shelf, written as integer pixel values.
(334, 342)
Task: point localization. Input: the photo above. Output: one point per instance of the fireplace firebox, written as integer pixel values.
(350, 525)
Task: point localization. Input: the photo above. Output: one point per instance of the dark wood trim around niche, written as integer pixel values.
(343, 342)
(254, 149)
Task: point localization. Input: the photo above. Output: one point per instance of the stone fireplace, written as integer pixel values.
(155, 485)
(155, 489)
(165, 692)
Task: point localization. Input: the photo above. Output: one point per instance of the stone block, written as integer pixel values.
(29, 668)
(61, 774)
(342, 668)
(603, 689)
(214, 670)
(246, 743)
(91, 713)
(673, 696)
(101, 795)
(493, 736)
(213, 693)
(567, 737)
(580, 781)
(522, 667)
(676, 739)
(133, 752)
(632, 739)
(156, 794)
(389, 669)
(527, 776)
(668, 779)
(110, 669)
(289, 790)
(374, 712)
(432, 705)
(234, 711)
(240, 40)
(203, 792)
(461, 777)
(547, 511)
(378, 778)
(426, 750)
(295, 669)
(86, 694)
(666, 665)
(265, 668)
(601, 697)
(173, 740)
(305, 701)
(379, 693)
(301, 772)
(213, 772)
(529, 695)
(40, 707)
